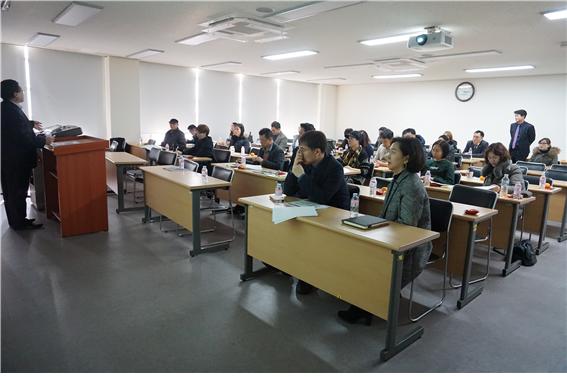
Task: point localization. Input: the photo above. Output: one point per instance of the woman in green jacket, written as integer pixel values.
(442, 170)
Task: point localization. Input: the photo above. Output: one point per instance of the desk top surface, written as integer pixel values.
(184, 177)
(262, 172)
(393, 236)
(123, 158)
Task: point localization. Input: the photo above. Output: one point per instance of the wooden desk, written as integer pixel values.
(199, 159)
(137, 150)
(363, 268)
(116, 165)
(461, 249)
(535, 215)
(382, 171)
(250, 182)
(176, 194)
(475, 161)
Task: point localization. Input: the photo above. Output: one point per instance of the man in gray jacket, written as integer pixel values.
(279, 138)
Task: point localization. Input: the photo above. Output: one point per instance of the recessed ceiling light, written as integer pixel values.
(196, 39)
(220, 64)
(76, 13)
(459, 55)
(563, 44)
(280, 73)
(500, 69)
(556, 15)
(144, 54)
(42, 39)
(311, 9)
(328, 79)
(391, 39)
(289, 55)
(405, 76)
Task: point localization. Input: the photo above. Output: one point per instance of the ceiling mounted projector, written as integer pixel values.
(434, 39)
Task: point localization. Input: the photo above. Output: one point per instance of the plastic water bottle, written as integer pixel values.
(518, 191)
(279, 190)
(504, 186)
(232, 150)
(204, 173)
(542, 180)
(242, 150)
(180, 161)
(354, 202)
(427, 180)
(373, 185)
(470, 154)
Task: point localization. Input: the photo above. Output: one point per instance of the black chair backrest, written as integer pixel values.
(532, 165)
(457, 179)
(221, 155)
(151, 142)
(534, 180)
(441, 214)
(113, 146)
(523, 169)
(382, 182)
(473, 196)
(559, 167)
(459, 160)
(526, 184)
(352, 189)
(166, 158)
(254, 150)
(286, 165)
(121, 144)
(222, 173)
(366, 171)
(477, 170)
(217, 146)
(153, 155)
(190, 165)
(556, 174)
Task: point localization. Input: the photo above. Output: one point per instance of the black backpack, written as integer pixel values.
(524, 251)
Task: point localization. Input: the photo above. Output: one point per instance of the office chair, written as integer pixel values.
(190, 165)
(534, 180)
(121, 144)
(457, 179)
(477, 171)
(558, 167)
(366, 172)
(532, 165)
(524, 170)
(286, 165)
(221, 155)
(136, 175)
(558, 175)
(113, 146)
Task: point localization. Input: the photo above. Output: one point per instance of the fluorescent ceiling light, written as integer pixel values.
(42, 39)
(76, 13)
(220, 64)
(356, 65)
(329, 79)
(556, 15)
(289, 55)
(271, 39)
(563, 44)
(308, 10)
(280, 73)
(500, 69)
(389, 40)
(145, 53)
(405, 76)
(459, 55)
(197, 39)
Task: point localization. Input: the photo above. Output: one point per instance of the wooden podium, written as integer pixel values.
(75, 184)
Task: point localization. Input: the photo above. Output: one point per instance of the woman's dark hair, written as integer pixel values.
(449, 134)
(241, 126)
(267, 133)
(314, 140)
(365, 139)
(444, 147)
(443, 137)
(307, 127)
(9, 89)
(356, 135)
(203, 129)
(499, 150)
(414, 150)
(191, 127)
(409, 131)
(546, 139)
(347, 132)
(386, 134)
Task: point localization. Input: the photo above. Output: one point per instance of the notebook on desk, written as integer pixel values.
(365, 222)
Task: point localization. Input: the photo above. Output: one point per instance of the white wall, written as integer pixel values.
(327, 117)
(431, 108)
(298, 104)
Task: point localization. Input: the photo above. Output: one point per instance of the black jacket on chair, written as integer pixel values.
(19, 142)
(202, 148)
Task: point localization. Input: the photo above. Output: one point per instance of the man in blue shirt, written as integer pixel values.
(522, 135)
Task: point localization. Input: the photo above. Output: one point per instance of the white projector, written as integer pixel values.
(434, 39)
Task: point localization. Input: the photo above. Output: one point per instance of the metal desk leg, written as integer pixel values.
(249, 272)
(562, 231)
(509, 266)
(392, 346)
(467, 297)
(541, 245)
(120, 170)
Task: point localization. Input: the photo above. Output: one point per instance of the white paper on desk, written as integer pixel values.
(253, 167)
(282, 213)
(305, 203)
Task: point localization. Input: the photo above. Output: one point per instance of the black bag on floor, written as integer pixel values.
(524, 251)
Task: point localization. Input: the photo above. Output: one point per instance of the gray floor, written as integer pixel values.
(132, 300)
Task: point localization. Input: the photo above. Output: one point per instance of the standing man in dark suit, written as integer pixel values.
(271, 156)
(522, 136)
(19, 155)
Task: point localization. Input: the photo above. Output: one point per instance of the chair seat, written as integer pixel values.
(136, 174)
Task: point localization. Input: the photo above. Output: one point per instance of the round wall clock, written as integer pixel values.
(464, 91)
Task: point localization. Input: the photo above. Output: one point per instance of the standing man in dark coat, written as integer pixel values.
(522, 136)
(19, 155)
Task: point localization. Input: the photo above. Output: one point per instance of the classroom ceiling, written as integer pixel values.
(517, 29)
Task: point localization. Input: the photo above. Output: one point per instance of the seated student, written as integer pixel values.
(355, 154)
(477, 146)
(452, 150)
(410, 133)
(383, 151)
(237, 138)
(497, 163)
(174, 138)
(203, 143)
(279, 138)
(270, 156)
(318, 177)
(192, 130)
(441, 169)
(303, 128)
(346, 134)
(544, 153)
(407, 203)
(365, 142)
(379, 140)
(452, 143)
